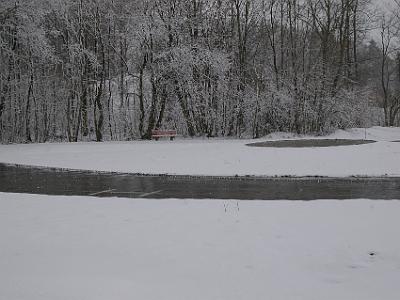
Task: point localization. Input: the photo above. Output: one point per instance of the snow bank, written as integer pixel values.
(86, 248)
(374, 133)
(220, 157)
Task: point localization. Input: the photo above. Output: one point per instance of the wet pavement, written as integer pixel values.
(35, 180)
(310, 143)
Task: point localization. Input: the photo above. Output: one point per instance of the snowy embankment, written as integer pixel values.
(221, 157)
(88, 248)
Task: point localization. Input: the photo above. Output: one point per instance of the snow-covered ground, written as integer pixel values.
(74, 248)
(54, 248)
(220, 157)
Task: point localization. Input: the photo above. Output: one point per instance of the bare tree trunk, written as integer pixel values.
(185, 109)
(385, 42)
(100, 76)
(162, 108)
(28, 113)
(2, 106)
(355, 38)
(272, 40)
(152, 114)
(141, 99)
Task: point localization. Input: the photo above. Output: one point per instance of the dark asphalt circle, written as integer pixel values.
(35, 180)
(310, 143)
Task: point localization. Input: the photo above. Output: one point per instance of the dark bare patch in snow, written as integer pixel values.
(310, 143)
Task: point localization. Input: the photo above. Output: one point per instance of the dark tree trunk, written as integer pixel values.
(185, 109)
(162, 108)
(152, 113)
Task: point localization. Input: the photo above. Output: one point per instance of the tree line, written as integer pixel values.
(114, 70)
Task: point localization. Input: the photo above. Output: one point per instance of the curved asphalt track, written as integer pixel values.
(50, 181)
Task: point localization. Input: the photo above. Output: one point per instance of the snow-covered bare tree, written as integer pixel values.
(115, 70)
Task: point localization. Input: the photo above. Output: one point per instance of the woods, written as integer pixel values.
(115, 70)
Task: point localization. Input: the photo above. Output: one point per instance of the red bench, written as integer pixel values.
(157, 133)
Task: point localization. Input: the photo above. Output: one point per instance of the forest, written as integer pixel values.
(101, 70)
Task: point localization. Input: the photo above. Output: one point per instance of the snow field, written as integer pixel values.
(87, 248)
(221, 157)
